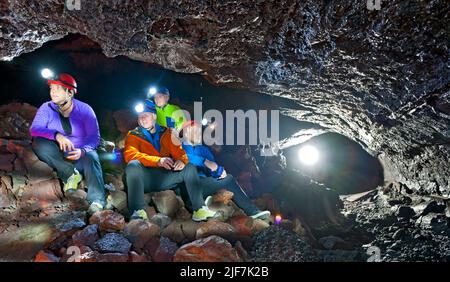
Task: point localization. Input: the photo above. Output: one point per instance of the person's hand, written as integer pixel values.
(74, 155)
(179, 165)
(166, 163)
(64, 143)
(211, 165)
(223, 175)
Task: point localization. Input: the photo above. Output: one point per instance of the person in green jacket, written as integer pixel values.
(168, 115)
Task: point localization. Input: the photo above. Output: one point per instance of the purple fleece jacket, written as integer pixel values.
(85, 131)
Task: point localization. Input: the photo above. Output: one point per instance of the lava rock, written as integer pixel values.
(161, 249)
(242, 224)
(139, 231)
(86, 237)
(161, 220)
(210, 249)
(113, 243)
(108, 220)
(166, 202)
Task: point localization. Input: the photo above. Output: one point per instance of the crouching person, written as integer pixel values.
(155, 163)
(213, 177)
(65, 136)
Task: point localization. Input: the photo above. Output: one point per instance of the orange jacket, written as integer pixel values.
(138, 148)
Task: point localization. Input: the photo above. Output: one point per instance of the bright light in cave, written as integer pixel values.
(308, 155)
(46, 73)
(152, 91)
(139, 108)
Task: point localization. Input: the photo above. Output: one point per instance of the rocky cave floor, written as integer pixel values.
(39, 223)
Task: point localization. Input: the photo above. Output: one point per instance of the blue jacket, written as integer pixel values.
(197, 155)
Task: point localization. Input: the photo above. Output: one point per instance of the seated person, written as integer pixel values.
(65, 136)
(167, 115)
(213, 177)
(156, 163)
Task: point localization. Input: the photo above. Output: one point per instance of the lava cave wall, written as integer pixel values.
(379, 77)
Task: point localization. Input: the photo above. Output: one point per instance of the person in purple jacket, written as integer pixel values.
(65, 136)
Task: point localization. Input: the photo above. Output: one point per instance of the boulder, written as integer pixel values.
(86, 237)
(209, 249)
(113, 243)
(139, 231)
(118, 199)
(161, 220)
(215, 227)
(242, 224)
(108, 220)
(166, 202)
(161, 249)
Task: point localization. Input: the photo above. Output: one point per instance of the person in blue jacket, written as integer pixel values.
(213, 177)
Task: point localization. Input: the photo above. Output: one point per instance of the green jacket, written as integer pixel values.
(165, 117)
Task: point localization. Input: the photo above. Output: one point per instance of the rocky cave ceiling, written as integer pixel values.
(379, 77)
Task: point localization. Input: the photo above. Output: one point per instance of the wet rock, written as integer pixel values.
(44, 256)
(210, 249)
(108, 220)
(113, 243)
(161, 249)
(161, 220)
(139, 231)
(86, 237)
(166, 202)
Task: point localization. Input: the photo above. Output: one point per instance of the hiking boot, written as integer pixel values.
(73, 181)
(203, 214)
(139, 214)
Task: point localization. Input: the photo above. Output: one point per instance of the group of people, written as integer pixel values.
(164, 152)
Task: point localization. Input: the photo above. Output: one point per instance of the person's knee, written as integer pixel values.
(190, 168)
(134, 167)
(91, 157)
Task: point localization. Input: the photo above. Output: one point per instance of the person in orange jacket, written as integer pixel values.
(157, 162)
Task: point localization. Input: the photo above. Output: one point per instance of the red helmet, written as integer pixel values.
(65, 80)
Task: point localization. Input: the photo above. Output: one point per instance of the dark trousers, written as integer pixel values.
(141, 179)
(88, 165)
